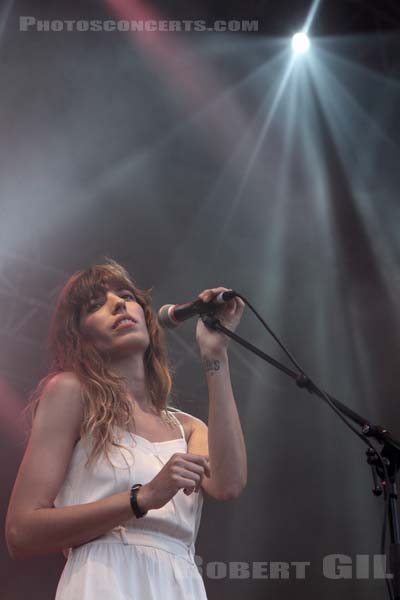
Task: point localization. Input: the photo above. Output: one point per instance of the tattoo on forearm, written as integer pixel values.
(211, 366)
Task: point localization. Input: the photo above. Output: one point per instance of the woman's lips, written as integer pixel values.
(125, 325)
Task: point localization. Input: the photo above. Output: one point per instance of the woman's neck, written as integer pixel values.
(132, 370)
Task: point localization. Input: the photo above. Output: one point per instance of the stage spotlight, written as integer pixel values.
(300, 43)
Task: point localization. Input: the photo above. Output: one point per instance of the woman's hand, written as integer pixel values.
(182, 471)
(214, 342)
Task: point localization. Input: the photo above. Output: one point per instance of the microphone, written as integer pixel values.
(170, 315)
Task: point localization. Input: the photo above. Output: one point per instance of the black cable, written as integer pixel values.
(307, 382)
(259, 317)
(304, 374)
(383, 537)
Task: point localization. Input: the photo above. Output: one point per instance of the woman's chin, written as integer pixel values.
(129, 348)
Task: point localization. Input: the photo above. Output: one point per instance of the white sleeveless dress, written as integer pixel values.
(151, 558)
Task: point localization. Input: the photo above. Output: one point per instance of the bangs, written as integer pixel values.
(96, 281)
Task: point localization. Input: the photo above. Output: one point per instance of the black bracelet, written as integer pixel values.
(134, 505)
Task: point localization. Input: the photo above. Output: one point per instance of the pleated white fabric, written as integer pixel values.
(151, 558)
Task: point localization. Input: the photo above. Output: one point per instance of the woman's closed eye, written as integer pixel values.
(130, 295)
(94, 303)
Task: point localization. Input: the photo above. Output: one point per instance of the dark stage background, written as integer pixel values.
(204, 159)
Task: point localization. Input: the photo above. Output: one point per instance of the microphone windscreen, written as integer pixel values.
(164, 317)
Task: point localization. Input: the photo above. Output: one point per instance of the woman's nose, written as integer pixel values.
(117, 302)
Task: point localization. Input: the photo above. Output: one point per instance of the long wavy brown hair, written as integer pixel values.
(104, 394)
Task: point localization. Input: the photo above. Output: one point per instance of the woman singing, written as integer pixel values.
(112, 474)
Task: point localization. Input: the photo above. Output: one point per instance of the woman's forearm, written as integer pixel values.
(46, 530)
(227, 449)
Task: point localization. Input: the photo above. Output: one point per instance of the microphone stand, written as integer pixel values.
(390, 453)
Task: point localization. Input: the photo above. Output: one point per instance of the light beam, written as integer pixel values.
(300, 43)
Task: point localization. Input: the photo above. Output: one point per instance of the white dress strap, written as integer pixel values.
(179, 424)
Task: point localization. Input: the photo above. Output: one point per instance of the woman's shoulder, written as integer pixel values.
(63, 388)
(65, 380)
(188, 421)
(60, 407)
